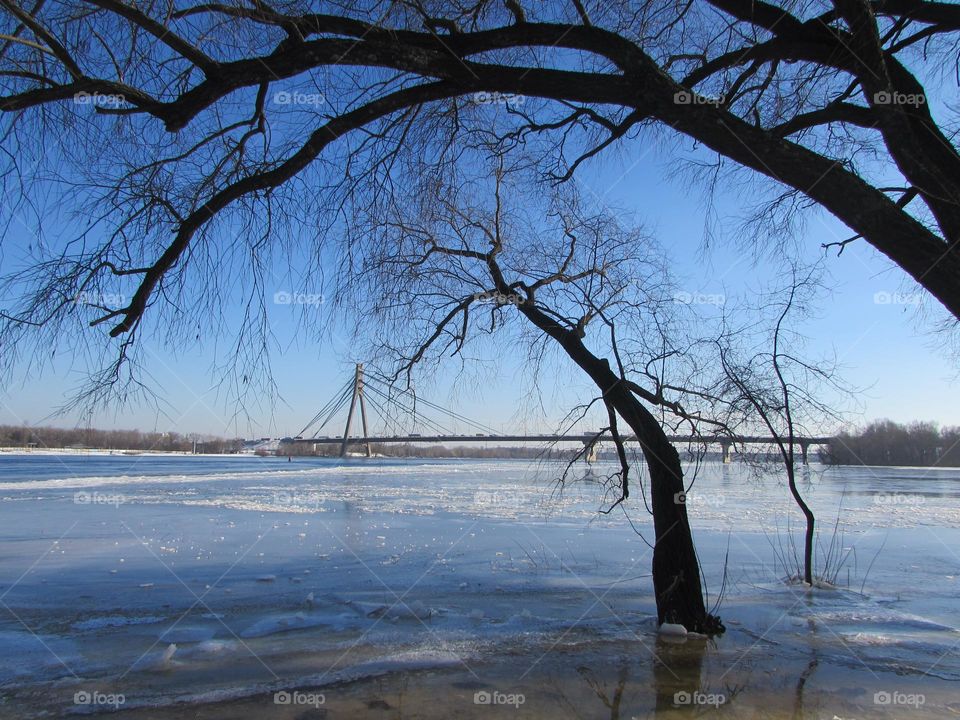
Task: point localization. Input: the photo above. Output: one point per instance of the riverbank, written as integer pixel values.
(737, 676)
(109, 452)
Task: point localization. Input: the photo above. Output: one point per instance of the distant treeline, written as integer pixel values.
(885, 442)
(52, 437)
(410, 450)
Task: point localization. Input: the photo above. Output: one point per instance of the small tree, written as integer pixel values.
(767, 383)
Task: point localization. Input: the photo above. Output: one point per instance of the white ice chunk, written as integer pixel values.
(673, 630)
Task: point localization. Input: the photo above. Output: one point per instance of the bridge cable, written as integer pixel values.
(330, 409)
(324, 409)
(451, 413)
(430, 423)
(383, 414)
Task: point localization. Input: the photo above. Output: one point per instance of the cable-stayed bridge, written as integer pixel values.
(437, 424)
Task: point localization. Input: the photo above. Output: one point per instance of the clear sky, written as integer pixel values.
(870, 320)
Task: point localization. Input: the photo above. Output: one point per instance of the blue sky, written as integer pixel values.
(870, 320)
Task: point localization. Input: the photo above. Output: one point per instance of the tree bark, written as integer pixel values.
(676, 571)
(808, 514)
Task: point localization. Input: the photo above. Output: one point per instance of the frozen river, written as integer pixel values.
(136, 583)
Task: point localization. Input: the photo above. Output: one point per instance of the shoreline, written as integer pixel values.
(106, 452)
(649, 677)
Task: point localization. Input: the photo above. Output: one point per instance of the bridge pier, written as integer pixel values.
(803, 451)
(591, 452)
(726, 451)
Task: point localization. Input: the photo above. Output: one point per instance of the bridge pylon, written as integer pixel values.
(357, 395)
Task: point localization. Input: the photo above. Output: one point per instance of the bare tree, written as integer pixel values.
(767, 382)
(181, 126)
(459, 259)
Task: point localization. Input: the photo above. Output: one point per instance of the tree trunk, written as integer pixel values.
(676, 571)
(808, 514)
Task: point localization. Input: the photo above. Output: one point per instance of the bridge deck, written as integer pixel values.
(712, 439)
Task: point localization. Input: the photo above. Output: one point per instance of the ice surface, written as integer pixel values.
(164, 571)
(111, 621)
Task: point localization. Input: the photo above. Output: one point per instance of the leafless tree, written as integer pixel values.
(180, 126)
(457, 260)
(767, 382)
